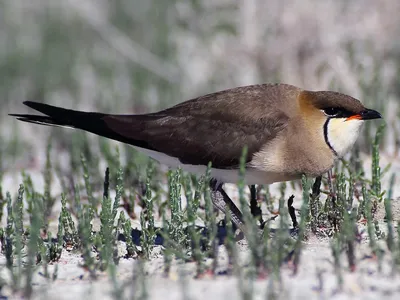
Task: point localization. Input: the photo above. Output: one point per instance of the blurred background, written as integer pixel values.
(135, 56)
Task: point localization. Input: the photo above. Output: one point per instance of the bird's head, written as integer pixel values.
(339, 117)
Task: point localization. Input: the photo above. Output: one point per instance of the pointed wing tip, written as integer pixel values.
(18, 116)
(30, 103)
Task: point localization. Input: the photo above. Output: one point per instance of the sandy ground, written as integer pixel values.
(316, 278)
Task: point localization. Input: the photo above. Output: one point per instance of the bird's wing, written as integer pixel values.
(212, 128)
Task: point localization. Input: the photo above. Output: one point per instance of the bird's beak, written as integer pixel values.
(367, 114)
(370, 114)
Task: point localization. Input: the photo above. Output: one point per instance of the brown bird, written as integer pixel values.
(288, 132)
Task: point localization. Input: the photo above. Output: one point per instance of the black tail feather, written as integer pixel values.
(63, 116)
(35, 119)
(57, 116)
(89, 121)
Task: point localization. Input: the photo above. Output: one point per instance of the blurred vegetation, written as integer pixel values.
(138, 56)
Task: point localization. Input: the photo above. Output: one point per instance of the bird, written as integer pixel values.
(288, 132)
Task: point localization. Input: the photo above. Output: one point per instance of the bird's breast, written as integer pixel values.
(295, 153)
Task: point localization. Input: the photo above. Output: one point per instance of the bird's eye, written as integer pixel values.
(331, 111)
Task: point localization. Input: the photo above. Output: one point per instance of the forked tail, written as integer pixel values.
(57, 116)
(125, 129)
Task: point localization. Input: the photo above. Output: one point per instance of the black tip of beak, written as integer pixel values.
(370, 114)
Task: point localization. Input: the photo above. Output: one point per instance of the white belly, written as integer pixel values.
(252, 176)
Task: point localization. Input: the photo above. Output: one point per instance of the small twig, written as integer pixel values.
(267, 221)
(292, 212)
(254, 208)
(316, 188)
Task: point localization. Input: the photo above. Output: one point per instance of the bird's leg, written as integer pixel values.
(254, 208)
(222, 201)
(316, 188)
(330, 184)
(332, 193)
